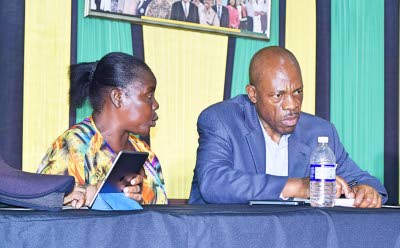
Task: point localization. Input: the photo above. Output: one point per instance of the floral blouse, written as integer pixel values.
(83, 153)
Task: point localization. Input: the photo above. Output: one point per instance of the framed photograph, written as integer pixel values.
(246, 18)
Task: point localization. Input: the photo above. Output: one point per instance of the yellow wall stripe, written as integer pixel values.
(301, 40)
(190, 70)
(47, 57)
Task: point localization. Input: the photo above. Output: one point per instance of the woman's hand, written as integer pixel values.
(76, 198)
(80, 196)
(134, 191)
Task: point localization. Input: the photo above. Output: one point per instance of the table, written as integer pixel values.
(203, 226)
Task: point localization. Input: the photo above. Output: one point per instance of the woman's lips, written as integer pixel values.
(153, 122)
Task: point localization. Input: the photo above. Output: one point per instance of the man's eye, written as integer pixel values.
(298, 92)
(277, 96)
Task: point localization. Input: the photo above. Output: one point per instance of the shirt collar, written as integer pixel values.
(282, 142)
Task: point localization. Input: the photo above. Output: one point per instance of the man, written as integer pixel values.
(185, 11)
(258, 146)
(222, 13)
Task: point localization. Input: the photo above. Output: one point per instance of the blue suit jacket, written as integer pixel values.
(230, 166)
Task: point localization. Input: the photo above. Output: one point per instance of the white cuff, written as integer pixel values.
(283, 198)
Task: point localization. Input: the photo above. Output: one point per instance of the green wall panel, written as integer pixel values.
(246, 48)
(97, 37)
(357, 80)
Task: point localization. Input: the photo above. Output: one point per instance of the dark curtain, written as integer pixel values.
(11, 81)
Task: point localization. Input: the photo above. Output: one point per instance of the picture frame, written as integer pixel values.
(242, 18)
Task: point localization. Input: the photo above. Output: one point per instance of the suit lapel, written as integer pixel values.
(190, 10)
(256, 144)
(298, 154)
(182, 12)
(255, 137)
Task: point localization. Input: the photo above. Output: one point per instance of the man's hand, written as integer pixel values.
(297, 187)
(366, 197)
(134, 190)
(300, 188)
(343, 188)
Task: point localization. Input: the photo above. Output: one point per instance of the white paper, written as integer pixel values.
(339, 202)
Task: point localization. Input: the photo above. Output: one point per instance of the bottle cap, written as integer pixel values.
(323, 140)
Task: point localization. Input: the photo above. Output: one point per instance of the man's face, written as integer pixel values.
(278, 97)
(219, 2)
(207, 4)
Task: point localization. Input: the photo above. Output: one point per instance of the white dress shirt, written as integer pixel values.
(276, 155)
(185, 7)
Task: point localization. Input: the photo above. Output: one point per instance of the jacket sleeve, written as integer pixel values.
(350, 171)
(219, 179)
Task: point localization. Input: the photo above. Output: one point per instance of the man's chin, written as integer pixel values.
(287, 130)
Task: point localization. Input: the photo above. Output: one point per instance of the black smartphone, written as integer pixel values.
(276, 202)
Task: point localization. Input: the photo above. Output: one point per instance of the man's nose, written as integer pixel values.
(289, 103)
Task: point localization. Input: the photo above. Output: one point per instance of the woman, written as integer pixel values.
(120, 89)
(242, 15)
(258, 12)
(233, 14)
(200, 9)
(208, 16)
(159, 9)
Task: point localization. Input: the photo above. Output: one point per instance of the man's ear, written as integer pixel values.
(251, 93)
(116, 97)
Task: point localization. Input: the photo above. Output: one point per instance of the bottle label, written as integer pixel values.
(324, 172)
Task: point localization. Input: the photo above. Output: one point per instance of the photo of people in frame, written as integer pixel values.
(244, 15)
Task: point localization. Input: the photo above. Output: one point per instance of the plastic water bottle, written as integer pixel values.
(322, 175)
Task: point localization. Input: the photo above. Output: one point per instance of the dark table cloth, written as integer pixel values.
(203, 226)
